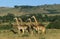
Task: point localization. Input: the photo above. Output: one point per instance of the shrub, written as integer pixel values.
(54, 25)
(5, 27)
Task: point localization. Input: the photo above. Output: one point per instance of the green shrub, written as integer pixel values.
(5, 27)
(54, 25)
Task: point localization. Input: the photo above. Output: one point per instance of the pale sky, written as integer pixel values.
(11, 3)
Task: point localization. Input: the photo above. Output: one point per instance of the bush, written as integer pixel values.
(54, 25)
(5, 27)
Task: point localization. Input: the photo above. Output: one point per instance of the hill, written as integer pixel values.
(20, 10)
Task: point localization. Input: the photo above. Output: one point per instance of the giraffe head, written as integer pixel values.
(29, 19)
(15, 18)
(20, 20)
(33, 17)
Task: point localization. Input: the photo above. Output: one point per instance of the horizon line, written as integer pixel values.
(29, 5)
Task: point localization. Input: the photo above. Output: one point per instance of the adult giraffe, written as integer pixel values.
(39, 27)
(30, 25)
(19, 26)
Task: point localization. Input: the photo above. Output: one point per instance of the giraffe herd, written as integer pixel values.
(29, 27)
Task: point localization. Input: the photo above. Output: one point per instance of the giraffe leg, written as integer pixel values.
(23, 31)
(44, 31)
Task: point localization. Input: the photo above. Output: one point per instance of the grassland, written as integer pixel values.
(51, 34)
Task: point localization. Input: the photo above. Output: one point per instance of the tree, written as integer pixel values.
(10, 17)
(7, 18)
(16, 6)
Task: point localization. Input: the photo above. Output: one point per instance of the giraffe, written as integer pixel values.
(33, 26)
(20, 27)
(30, 25)
(21, 21)
(38, 27)
(36, 23)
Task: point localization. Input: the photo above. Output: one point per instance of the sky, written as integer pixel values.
(11, 3)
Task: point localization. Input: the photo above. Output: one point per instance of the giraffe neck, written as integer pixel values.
(21, 21)
(35, 21)
(30, 21)
(17, 22)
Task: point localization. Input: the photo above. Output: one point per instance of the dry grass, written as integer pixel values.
(10, 35)
(51, 34)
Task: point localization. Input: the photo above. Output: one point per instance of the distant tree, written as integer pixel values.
(16, 6)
